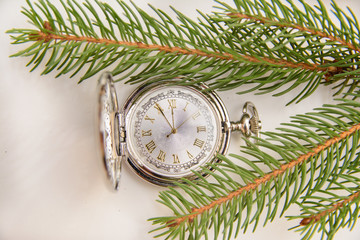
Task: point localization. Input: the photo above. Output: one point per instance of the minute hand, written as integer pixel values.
(162, 113)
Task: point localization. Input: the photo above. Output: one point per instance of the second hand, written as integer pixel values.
(174, 130)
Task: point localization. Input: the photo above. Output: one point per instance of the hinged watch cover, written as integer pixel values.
(111, 125)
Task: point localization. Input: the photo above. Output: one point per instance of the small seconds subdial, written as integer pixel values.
(175, 131)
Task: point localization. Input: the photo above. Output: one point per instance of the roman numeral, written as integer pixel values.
(201, 129)
(198, 143)
(172, 103)
(196, 115)
(158, 107)
(161, 156)
(151, 146)
(185, 106)
(176, 158)
(146, 133)
(149, 119)
(189, 154)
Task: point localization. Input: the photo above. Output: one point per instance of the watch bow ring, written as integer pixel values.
(166, 131)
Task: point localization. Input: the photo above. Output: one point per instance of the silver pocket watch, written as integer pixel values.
(166, 131)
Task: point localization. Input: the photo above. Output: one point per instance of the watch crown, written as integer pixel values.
(255, 125)
(249, 123)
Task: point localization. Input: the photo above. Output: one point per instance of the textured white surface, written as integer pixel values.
(52, 181)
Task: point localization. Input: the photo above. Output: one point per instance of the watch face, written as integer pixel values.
(171, 131)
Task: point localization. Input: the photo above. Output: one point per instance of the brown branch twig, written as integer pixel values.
(315, 218)
(314, 32)
(259, 181)
(50, 35)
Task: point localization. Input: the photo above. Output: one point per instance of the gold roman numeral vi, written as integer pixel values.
(176, 158)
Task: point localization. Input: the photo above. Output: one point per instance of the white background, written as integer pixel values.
(52, 181)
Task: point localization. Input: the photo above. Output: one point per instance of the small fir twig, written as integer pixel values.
(312, 31)
(335, 207)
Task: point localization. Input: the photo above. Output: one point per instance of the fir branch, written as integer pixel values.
(268, 177)
(317, 21)
(46, 37)
(325, 136)
(335, 207)
(294, 34)
(226, 56)
(312, 31)
(327, 209)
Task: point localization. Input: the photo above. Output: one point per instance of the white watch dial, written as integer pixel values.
(173, 130)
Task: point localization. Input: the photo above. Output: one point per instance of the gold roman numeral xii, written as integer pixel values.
(172, 103)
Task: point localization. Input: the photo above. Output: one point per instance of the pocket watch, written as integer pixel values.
(166, 131)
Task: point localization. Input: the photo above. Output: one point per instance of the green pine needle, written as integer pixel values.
(316, 156)
(270, 45)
